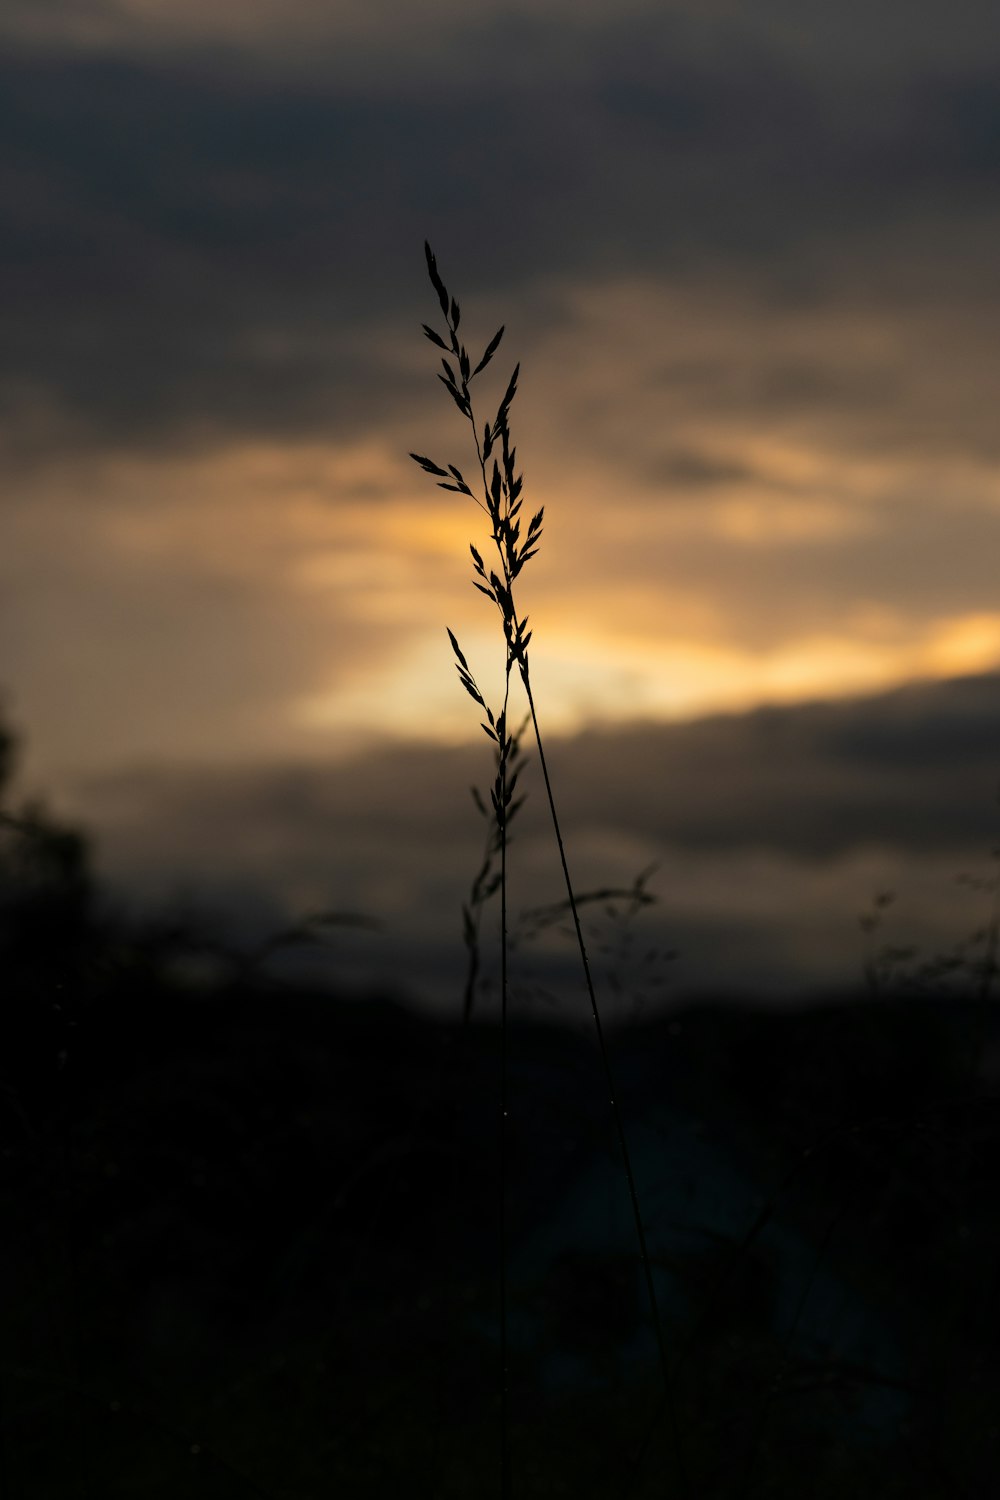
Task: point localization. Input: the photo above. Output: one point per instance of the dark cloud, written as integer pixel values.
(913, 770)
(194, 247)
(694, 471)
(771, 830)
(184, 256)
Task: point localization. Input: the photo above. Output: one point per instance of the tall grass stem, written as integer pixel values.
(502, 503)
(640, 1232)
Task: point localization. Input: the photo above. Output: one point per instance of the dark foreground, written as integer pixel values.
(250, 1247)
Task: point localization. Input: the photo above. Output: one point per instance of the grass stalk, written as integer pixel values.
(640, 1232)
(504, 1110)
(501, 502)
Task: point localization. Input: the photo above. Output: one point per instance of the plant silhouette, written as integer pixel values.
(515, 544)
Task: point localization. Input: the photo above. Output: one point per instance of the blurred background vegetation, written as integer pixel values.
(250, 1238)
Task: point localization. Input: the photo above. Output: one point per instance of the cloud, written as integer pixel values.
(802, 32)
(913, 769)
(772, 832)
(286, 596)
(196, 250)
(184, 608)
(748, 264)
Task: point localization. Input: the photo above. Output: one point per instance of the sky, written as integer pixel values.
(747, 258)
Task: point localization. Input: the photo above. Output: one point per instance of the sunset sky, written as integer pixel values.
(748, 259)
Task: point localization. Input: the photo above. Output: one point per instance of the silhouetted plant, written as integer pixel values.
(51, 937)
(633, 973)
(966, 967)
(515, 544)
(488, 877)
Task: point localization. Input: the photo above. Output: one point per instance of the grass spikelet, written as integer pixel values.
(500, 496)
